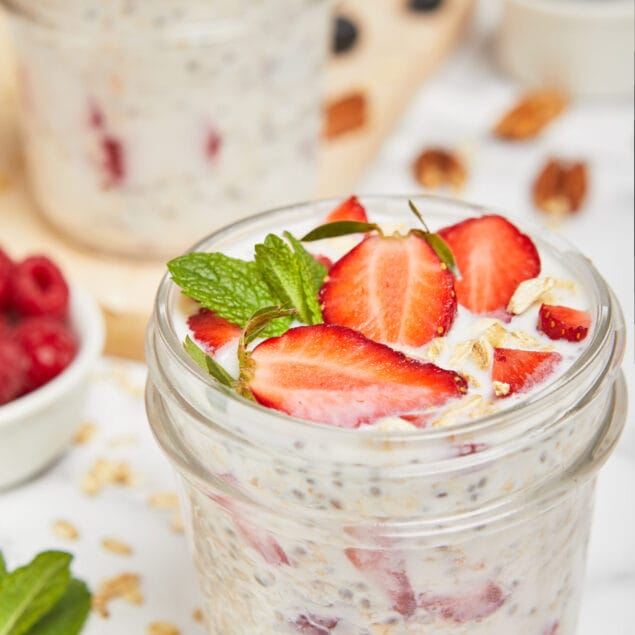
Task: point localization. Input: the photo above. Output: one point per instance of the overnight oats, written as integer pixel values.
(386, 419)
(149, 124)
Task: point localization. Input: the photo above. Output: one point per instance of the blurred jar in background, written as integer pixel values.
(148, 124)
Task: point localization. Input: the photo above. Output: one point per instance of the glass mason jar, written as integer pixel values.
(149, 124)
(296, 527)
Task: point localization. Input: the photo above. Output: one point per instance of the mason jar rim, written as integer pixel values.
(554, 393)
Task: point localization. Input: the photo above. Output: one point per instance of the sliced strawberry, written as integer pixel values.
(493, 258)
(334, 375)
(350, 209)
(315, 625)
(394, 290)
(522, 370)
(474, 605)
(562, 322)
(419, 419)
(6, 271)
(211, 330)
(259, 539)
(386, 570)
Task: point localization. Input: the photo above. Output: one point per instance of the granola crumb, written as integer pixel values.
(524, 339)
(176, 523)
(162, 628)
(65, 530)
(528, 293)
(105, 472)
(531, 114)
(438, 167)
(124, 586)
(164, 500)
(116, 546)
(483, 353)
(84, 433)
(197, 615)
(501, 389)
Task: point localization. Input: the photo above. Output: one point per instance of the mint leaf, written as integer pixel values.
(208, 364)
(3, 566)
(232, 288)
(289, 277)
(339, 228)
(69, 614)
(29, 592)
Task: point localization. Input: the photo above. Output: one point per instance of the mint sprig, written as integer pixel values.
(208, 364)
(339, 228)
(32, 593)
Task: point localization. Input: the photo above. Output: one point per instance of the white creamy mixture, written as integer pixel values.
(282, 572)
(149, 124)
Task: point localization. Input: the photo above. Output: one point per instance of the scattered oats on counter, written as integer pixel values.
(116, 546)
(162, 628)
(65, 530)
(197, 615)
(84, 433)
(105, 472)
(176, 522)
(124, 586)
(164, 500)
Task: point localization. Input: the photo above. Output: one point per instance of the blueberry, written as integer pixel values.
(424, 5)
(345, 35)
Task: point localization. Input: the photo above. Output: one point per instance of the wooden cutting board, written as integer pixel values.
(367, 89)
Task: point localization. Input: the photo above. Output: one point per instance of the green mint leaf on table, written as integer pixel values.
(3, 566)
(232, 288)
(339, 228)
(289, 277)
(208, 364)
(438, 245)
(69, 614)
(29, 592)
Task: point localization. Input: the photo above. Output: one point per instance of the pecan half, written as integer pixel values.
(531, 115)
(561, 187)
(345, 115)
(437, 167)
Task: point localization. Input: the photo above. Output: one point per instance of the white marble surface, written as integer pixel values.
(455, 109)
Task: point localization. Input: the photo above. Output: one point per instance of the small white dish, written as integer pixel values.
(36, 428)
(582, 46)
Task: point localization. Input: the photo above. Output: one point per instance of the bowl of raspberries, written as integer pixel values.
(51, 335)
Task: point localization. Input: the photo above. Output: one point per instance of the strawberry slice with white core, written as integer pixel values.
(334, 375)
(350, 209)
(473, 605)
(387, 571)
(493, 258)
(522, 370)
(563, 322)
(211, 330)
(393, 289)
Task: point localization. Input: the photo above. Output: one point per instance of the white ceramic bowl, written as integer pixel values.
(583, 46)
(36, 428)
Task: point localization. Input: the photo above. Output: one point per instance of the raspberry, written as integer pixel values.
(49, 346)
(14, 366)
(38, 288)
(5, 326)
(6, 267)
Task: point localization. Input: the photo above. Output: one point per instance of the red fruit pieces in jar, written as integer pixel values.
(113, 161)
(350, 209)
(393, 289)
(39, 288)
(49, 346)
(14, 366)
(211, 330)
(387, 571)
(6, 270)
(334, 375)
(315, 625)
(562, 322)
(493, 258)
(473, 605)
(522, 370)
